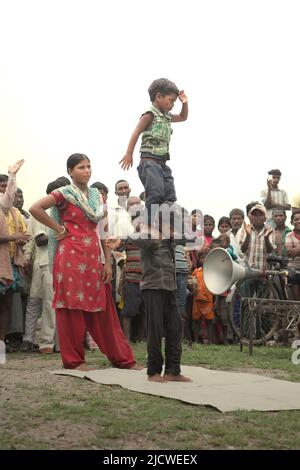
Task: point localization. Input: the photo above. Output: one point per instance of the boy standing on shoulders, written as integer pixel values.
(155, 127)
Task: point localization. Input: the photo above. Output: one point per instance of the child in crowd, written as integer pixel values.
(155, 127)
(224, 225)
(225, 243)
(133, 320)
(220, 306)
(209, 226)
(203, 305)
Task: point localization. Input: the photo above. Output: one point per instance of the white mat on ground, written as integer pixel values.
(226, 391)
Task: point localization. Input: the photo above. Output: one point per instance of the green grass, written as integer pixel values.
(40, 411)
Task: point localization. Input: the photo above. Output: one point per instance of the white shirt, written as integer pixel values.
(279, 196)
(35, 229)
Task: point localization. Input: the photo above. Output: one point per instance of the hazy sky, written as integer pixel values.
(74, 77)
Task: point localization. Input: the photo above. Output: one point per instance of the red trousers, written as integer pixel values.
(103, 326)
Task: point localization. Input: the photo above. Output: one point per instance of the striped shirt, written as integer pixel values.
(133, 269)
(256, 254)
(180, 260)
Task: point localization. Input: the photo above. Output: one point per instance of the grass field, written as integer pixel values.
(42, 411)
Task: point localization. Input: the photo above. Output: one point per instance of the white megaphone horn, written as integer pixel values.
(220, 271)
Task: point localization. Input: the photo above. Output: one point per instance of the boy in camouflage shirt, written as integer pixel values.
(155, 127)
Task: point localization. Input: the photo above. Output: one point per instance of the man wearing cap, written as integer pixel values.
(273, 197)
(257, 240)
(281, 231)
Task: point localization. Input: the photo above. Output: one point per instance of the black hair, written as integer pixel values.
(297, 211)
(209, 217)
(74, 159)
(236, 211)
(19, 190)
(250, 205)
(199, 254)
(120, 181)
(196, 212)
(163, 86)
(58, 183)
(276, 209)
(275, 172)
(100, 186)
(224, 220)
(216, 242)
(3, 178)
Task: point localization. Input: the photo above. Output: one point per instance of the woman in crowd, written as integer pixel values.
(82, 292)
(13, 236)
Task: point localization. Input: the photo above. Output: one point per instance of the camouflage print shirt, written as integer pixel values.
(155, 139)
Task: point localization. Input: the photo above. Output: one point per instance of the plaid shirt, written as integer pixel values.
(256, 254)
(156, 139)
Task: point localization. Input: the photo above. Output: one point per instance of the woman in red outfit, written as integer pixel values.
(82, 292)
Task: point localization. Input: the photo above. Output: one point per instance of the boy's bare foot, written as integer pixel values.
(155, 378)
(176, 378)
(84, 367)
(137, 367)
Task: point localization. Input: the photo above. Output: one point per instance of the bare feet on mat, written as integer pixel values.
(155, 378)
(83, 367)
(176, 378)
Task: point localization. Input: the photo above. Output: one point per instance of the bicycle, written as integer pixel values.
(260, 308)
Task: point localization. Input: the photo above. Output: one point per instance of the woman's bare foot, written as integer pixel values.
(83, 367)
(155, 378)
(137, 367)
(176, 378)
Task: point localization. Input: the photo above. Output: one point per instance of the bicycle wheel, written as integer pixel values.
(265, 322)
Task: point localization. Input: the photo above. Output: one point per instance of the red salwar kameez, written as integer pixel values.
(81, 299)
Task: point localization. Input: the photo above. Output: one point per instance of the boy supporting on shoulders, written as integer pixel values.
(158, 287)
(155, 127)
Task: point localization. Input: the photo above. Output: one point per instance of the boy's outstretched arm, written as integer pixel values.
(184, 110)
(144, 122)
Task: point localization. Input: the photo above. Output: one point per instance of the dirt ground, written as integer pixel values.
(23, 377)
(39, 410)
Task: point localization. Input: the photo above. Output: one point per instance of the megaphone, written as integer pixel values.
(220, 271)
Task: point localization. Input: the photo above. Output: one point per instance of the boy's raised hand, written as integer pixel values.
(126, 162)
(182, 96)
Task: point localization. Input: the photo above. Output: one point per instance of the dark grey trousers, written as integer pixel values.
(163, 319)
(158, 183)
